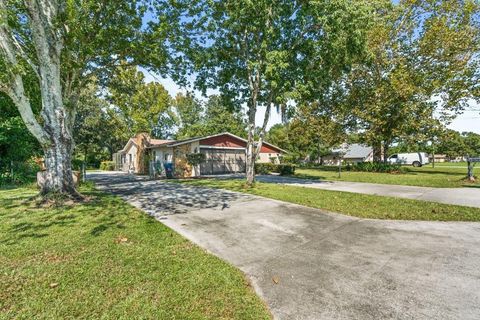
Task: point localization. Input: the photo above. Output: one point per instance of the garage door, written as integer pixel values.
(220, 161)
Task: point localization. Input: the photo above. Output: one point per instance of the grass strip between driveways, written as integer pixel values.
(353, 204)
(438, 177)
(107, 260)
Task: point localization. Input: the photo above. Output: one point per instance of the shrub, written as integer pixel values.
(285, 169)
(18, 173)
(195, 159)
(282, 169)
(376, 167)
(264, 168)
(107, 165)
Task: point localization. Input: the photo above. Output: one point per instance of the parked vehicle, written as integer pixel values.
(416, 159)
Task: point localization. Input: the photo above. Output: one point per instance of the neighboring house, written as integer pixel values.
(224, 153)
(438, 158)
(353, 153)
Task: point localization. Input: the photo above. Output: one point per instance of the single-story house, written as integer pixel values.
(349, 153)
(224, 153)
(438, 158)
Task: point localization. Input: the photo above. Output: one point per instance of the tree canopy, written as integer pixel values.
(263, 53)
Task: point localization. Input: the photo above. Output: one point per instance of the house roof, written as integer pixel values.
(159, 142)
(174, 143)
(357, 151)
(129, 142)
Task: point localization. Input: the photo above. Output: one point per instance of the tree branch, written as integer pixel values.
(24, 55)
(15, 89)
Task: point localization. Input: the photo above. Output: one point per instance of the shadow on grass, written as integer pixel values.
(310, 177)
(22, 219)
(471, 186)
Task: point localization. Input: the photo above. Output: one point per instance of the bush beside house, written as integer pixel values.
(267, 168)
(107, 165)
(376, 167)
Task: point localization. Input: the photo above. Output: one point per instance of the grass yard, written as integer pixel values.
(442, 176)
(358, 205)
(106, 260)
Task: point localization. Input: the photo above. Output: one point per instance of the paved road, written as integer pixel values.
(460, 196)
(311, 264)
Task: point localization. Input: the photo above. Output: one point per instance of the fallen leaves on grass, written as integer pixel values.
(121, 239)
(275, 279)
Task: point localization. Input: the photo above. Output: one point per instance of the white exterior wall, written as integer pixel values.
(163, 154)
(265, 157)
(130, 157)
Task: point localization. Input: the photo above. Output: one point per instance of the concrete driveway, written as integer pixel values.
(312, 264)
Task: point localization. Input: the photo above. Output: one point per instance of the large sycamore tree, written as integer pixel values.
(62, 44)
(262, 54)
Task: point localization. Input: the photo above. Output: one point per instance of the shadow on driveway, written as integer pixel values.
(160, 198)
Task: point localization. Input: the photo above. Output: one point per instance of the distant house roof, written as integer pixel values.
(357, 151)
(353, 151)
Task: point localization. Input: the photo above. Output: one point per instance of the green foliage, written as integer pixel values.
(99, 130)
(197, 119)
(418, 75)
(145, 107)
(263, 53)
(450, 143)
(19, 173)
(195, 159)
(285, 169)
(107, 165)
(17, 146)
(189, 112)
(264, 168)
(376, 167)
(268, 167)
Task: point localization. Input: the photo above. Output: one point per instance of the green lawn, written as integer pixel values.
(353, 204)
(106, 260)
(442, 176)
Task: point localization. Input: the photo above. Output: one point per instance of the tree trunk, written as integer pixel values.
(59, 174)
(386, 147)
(54, 131)
(250, 161)
(377, 152)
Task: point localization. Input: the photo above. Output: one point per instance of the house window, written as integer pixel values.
(154, 155)
(166, 157)
(130, 158)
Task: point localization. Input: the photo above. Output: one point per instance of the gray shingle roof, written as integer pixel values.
(357, 151)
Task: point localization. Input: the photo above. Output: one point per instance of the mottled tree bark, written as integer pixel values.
(54, 131)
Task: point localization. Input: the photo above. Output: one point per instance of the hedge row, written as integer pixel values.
(376, 167)
(266, 168)
(107, 165)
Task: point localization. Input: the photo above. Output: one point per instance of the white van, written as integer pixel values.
(416, 159)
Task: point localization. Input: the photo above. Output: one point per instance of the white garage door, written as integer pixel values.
(221, 161)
